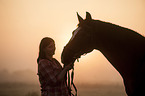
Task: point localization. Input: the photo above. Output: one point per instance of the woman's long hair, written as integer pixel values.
(44, 43)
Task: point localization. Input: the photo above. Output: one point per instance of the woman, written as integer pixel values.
(50, 72)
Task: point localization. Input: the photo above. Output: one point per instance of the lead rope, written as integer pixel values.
(70, 84)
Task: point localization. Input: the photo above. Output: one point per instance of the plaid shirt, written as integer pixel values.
(48, 71)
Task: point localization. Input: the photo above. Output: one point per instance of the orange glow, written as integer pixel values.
(23, 23)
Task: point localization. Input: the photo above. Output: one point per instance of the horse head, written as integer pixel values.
(81, 41)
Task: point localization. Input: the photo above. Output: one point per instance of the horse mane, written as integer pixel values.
(116, 27)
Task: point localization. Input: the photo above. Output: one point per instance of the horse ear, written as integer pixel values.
(88, 16)
(80, 18)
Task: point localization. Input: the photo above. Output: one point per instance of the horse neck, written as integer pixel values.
(108, 35)
(121, 46)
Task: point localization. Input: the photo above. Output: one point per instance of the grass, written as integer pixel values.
(101, 90)
(21, 89)
(32, 94)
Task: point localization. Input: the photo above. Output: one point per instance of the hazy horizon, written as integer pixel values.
(30, 77)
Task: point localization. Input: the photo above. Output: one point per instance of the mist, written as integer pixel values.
(24, 23)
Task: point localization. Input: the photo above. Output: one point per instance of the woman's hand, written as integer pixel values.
(62, 74)
(69, 66)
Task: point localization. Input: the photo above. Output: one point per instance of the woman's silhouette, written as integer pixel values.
(50, 72)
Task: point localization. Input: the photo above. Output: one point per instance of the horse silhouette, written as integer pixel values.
(123, 47)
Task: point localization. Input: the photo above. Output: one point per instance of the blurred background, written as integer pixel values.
(23, 23)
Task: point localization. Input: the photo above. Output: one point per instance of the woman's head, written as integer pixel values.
(46, 47)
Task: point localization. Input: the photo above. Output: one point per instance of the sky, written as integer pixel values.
(23, 23)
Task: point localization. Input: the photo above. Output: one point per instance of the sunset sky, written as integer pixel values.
(23, 23)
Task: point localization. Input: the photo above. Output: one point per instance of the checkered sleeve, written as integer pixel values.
(48, 72)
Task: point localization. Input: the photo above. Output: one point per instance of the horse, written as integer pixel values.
(123, 48)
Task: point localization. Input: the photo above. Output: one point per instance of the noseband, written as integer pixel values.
(76, 56)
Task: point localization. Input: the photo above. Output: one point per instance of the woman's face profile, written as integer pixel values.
(50, 49)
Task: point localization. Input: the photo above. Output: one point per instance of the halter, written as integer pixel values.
(91, 43)
(76, 56)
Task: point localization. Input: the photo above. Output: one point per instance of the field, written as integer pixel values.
(101, 90)
(21, 89)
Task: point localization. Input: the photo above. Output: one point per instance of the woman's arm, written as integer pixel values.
(61, 76)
